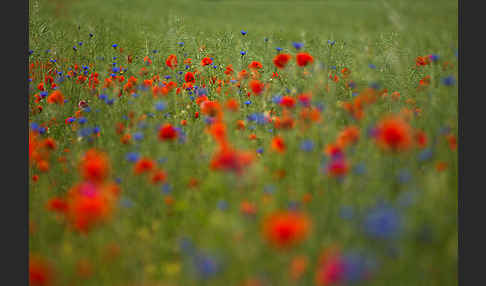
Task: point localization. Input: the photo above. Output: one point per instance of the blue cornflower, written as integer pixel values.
(434, 58)
(75, 49)
(297, 45)
(206, 265)
(374, 85)
(181, 44)
(96, 130)
(372, 66)
(260, 150)
(82, 120)
(34, 126)
(155, 51)
(103, 97)
(383, 222)
(43, 94)
(80, 43)
(85, 132)
(357, 267)
(114, 46)
(132, 157)
(276, 99)
(135, 94)
(209, 120)
(166, 188)
(31, 52)
(307, 146)
(293, 205)
(91, 35)
(116, 69)
(242, 53)
(42, 130)
(243, 32)
(167, 77)
(449, 81)
(71, 119)
(222, 205)
(138, 136)
(186, 246)
(279, 49)
(425, 155)
(202, 91)
(160, 106)
(331, 42)
(259, 118)
(110, 101)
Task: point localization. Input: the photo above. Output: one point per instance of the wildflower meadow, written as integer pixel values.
(245, 143)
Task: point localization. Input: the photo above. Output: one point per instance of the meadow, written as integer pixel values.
(245, 143)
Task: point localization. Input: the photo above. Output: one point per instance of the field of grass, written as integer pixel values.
(341, 170)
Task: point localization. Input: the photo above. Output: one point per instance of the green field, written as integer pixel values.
(391, 214)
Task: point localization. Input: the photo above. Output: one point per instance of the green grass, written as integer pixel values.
(388, 34)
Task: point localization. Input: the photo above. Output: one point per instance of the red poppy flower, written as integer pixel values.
(232, 104)
(167, 132)
(331, 269)
(228, 159)
(189, 77)
(287, 101)
(303, 59)
(255, 65)
(211, 108)
(451, 139)
(338, 167)
(57, 205)
(281, 60)
(158, 177)
(421, 139)
(95, 166)
(171, 61)
(40, 271)
(56, 97)
(256, 86)
(350, 135)
(394, 133)
(144, 165)
(206, 61)
(422, 61)
(284, 229)
(89, 206)
(278, 144)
